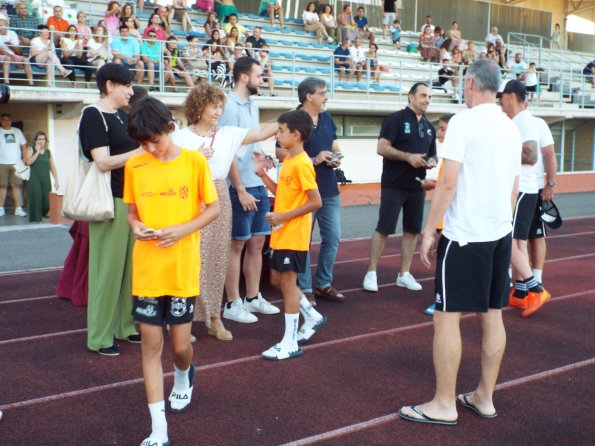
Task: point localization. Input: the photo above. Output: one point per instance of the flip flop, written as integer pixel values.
(463, 401)
(425, 419)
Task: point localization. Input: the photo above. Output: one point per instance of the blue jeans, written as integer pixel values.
(329, 223)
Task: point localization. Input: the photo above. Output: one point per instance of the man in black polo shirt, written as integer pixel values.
(255, 41)
(407, 142)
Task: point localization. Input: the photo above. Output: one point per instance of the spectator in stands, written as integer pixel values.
(180, 9)
(210, 23)
(395, 32)
(174, 65)
(150, 53)
(232, 40)
(469, 55)
(556, 37)
(166, 13)
(491, 53)
(132, 31)
(373, 63)
(347, 24)
(342, 60)
(217, 60)
(39, 185)
(427, 48)
(519, 67)
(320, 4)
(589, 73)
(255, 41)
(238, 51)
(493, 36)
(445, 77)
(454, 34)
(156, 24)
(389, 14)
(264, 58)
(24, 24)
(97, 48)
(445, 51)
(11, 53)
(428, 22)
(358, 58)
(329, 21)
(128, 11)
(126, 51)
(271, 8)
(532, 81)
(233, 21)
(57, 24)
(72, 49)
(195, 58)
(12, 147)
(224, 8)
(112, 17)
(502, 53)
(312, 23)
(42, 54)
(140, 6)
(438, 37)
(205, 5)
(82, 29)
(362, 24)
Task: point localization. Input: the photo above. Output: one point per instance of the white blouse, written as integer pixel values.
(310, 17)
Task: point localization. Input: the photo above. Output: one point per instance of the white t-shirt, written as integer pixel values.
(310, 17)
(518, 68)
(491, 38)
(9, 39)
(10, 145)
(357, 54)
(529, 131)
(423, 28)
(227, 145)
(531, 79)
(488, 146)
(545, 139)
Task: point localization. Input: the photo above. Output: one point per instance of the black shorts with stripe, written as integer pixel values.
(473, 277)
(538, 227)
(523, 215)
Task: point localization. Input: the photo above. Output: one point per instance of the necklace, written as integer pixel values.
(195, 130)
(102, 108)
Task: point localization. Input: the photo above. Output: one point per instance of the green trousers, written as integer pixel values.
(109, 311)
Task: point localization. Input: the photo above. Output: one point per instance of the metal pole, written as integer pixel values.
(562, 144)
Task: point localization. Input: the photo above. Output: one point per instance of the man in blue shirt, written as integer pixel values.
(322, 147)
(127, 52)
(342, 59)
(362, 24)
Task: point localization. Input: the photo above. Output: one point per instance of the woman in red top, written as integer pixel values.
(155, 24)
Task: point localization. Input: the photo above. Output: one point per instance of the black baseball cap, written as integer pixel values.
(550, 214)
(514, 86)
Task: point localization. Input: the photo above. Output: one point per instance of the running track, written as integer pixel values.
(373, 356)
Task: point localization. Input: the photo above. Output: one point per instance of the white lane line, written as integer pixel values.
(42, 337)
(218, 365)
(357, 427)
(26, 299)
(20, 272)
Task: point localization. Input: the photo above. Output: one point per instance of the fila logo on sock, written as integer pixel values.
(286, 261)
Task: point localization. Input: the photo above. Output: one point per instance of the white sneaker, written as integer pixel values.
(20, 212)
(154, 442)
(306, 331)
(279, 351)
(260, 305)
(179, 400)
(408, 281)
(237, 312)
(370, 282)
(330, 40)
(2, 212)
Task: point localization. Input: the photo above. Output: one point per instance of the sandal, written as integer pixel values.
(329, 293)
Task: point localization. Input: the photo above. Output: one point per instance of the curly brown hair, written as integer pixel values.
(199, 97)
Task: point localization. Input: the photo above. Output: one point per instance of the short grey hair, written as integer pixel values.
(309, 86)
(486, 75)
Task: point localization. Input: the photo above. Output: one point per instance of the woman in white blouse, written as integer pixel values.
(312, 23)
(42, 54)
(72, 55)
(97, 47)
(330, 23)
(220, 145)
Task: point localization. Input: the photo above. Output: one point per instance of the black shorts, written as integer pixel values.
(391, 202)
(531, 88)
(523, 215)
(169, 309)
(473, 277)
(284, 260)
(537, 225)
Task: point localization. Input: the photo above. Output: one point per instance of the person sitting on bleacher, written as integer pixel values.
(11, 53)
(57, 24)
(232, 40)
(493, 36)
(204, 5)
(173, 64)
(255, 41)
(456, 39)
(42, 54)
(210, 23)
(195, 59)
(312, 23)
(358, 58)
(155, 24)
(362, 25)
(428, 22)
(469, 55)
(427, 47)
(24, 24)
(71, 46)
(264, 58)
(97, 47)
(519, 67)
(347, 24)
(83, 30)
(180, 10)
(373, 63)
(225, 8)
(128, 11)
(150, 53)
(502, 53)
(330, 23)
(166, 12)
(589, 73)
(217, 59)
(112, 17)
(342, 60)
(438, 36)
(126, 50)
(271, 8)
(132, 31)
(232, 21)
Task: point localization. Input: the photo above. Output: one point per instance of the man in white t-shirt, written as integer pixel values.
(528, 294)
(358, 58)
(428, 22)
(518, 67)
(493, 36)
(10, 50)
(476, 190)
(12, 145)
(546, 161)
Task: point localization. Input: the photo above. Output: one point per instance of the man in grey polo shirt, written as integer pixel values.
(249, 200)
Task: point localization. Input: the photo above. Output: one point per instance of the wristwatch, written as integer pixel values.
(551, 183)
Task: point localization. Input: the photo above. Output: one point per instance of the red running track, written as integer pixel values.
(373, 356)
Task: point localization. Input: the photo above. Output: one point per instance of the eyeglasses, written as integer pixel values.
(322, 93)
(421, 131)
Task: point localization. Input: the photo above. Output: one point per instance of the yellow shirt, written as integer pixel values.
(296, 177)
(167, 194)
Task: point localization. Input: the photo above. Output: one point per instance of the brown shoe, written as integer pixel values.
(310, 298)
(330, 294)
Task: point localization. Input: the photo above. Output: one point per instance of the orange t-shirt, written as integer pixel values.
(167, 194)
(59, 25)
(296, 177)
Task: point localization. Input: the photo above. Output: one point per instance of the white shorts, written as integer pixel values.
(389, 18)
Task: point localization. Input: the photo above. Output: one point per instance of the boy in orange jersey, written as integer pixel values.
(296, 198)
(164, 187)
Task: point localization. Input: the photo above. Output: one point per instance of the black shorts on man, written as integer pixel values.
(157, 310)
(284, 260)
(473, 277)
(523, 215)
(391, 203)
(538, 226)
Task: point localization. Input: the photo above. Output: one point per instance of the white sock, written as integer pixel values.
(181, 379)
(310, 314)
(291, 328)
(537, 274)
(158, 421)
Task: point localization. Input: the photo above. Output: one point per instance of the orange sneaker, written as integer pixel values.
(517, 302)
(536, 301)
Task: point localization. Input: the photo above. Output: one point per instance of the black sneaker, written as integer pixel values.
(109, 351)
(134, 338)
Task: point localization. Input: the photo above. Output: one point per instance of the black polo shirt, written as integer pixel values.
(407, 135)
(389, 6)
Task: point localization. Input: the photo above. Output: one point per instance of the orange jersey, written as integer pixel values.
(167, 194)
(58, 24)
(296, 177)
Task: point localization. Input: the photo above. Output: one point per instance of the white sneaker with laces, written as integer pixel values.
(260, 305)
(408, 281)
(237, 312)
(280, 351)
(370, 282)
(20, 212)
(2, 212)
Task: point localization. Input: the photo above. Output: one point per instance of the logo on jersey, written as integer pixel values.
(407, 128)
(184, 192)
(178, 307)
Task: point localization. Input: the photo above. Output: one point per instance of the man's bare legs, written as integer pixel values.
(537, 254)
(376, 248)
(408, 244)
